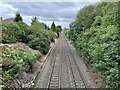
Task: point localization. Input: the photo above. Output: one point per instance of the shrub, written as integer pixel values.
(24, 28)
(95, 35)
(10, 33)
(52, 35)
(39, 39)
(41, 44)
(14, 32)
(66, 32)
(29, 59)
(15, 60)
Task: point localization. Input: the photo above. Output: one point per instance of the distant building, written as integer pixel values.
(8, 20)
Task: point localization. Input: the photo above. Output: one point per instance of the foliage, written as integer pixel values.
(66, 32)
(13, 32)
(18, 17)
(52, 35)
(24, 28)
(10, 33)
(94, 33)
(58, 30)
(53, 27)
(14, 60)
(41, 44)
(29, 58)
(39, 38)
(34, 19)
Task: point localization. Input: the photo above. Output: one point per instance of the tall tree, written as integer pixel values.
(18, 17)
(58, 30)
(34, 19)
(53, 27)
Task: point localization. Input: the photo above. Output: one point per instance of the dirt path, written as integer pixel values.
(64, 68)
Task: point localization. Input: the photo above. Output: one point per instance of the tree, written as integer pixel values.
(46, 27)
(95, 30)
(58, 29)
(34, 19)
(53, 27)
(18, 17)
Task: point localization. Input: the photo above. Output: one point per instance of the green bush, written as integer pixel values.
(10, 33)
(36, 36)
(29, 58)
(41, 44)
(24, 28)
(95, 35)
(66, 32)
(39, 38)
(52, 35)
(15, 60)
(13, 32)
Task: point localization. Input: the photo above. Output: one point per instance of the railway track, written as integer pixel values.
(77, 76)
(54, 81)
(55, 77)
(61, 69)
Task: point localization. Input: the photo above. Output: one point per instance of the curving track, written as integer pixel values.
(61, 69)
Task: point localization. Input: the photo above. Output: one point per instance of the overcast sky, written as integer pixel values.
(61, 12)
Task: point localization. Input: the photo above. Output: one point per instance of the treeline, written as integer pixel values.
(95, 35)
(38, 36)
(22, 45)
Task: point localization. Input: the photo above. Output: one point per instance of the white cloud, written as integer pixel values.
(27, 19)
(8, 6)
(63, 24)
(8, 10)
(61, 12)
(52, 0)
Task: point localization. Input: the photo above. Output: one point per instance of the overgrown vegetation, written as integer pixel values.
(56, 29)
(37, 38)
(18, 17)
(15, 60)
(14, 32)
(95, 35)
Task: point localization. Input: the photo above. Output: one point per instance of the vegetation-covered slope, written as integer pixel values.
(95, 35)
(34, 40)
